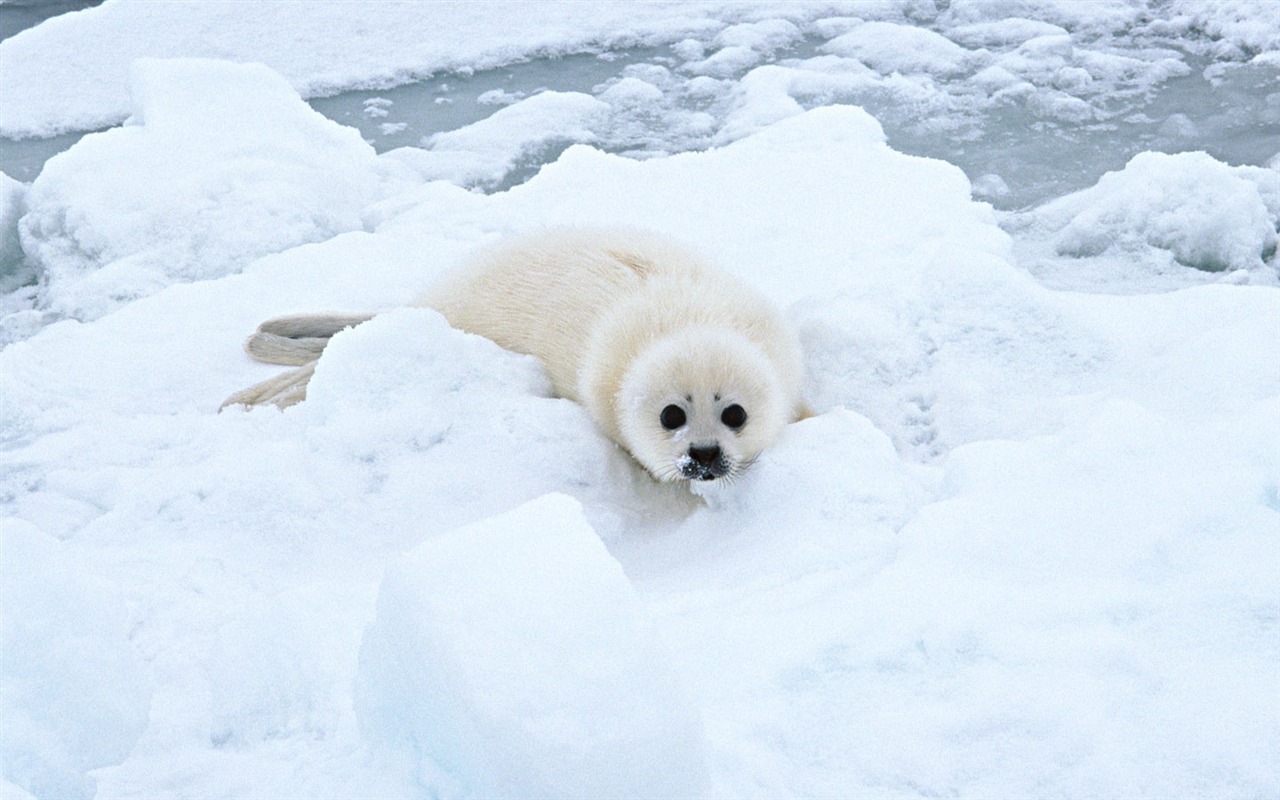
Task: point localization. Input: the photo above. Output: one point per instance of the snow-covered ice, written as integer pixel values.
(513, 657)
(221, 163)
(1027, 545)
(1205, 214)
(76, 693)
(1161, 214)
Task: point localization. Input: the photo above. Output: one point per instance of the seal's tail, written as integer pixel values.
(297, 341)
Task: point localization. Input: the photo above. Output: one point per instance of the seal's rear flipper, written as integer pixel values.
(298, 339)
(283, 390)
(307, 326)
(273, 349)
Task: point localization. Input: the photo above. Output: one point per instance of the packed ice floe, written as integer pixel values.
(208, 176)
(1161, 214)
(1025, 547)
(566, 694)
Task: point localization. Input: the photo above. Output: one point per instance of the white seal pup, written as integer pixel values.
(688, 369)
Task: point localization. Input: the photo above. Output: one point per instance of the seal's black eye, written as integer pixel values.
(735, 416)
(672, 417)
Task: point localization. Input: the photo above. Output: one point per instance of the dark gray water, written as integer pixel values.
(18, 15)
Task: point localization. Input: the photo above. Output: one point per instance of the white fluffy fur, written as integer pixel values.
(624, 322)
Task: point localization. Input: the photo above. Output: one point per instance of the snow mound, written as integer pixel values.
(899, 48)
(857, 493)
(414, 351)
(963, 348)
(1239, 28)
(409, 401)
(221, 163)
(75, 695)
(1205, 214)
(1007, 32)
(513, 656)
(740, 47)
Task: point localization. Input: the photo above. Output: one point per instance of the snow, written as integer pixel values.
(1009, 31)
(514, 657)
(1164, 212)
(740, 47)
(221, 163)
(480, 155)
(76, 695)
(890, 47)
(1026, 546)
(70, 72)
(940, 78)
(1240, 28)
(1206, 214)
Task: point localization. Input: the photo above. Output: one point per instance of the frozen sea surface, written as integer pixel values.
(1027, 546)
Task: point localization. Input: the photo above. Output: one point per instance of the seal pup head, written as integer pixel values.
(700, 404)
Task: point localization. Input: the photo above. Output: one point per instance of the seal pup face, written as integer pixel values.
(700, 405)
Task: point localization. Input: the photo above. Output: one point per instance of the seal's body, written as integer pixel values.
(680, 363)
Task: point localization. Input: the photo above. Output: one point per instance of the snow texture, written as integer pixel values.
(1026, 545)
(891, 47)
(57, 79)
(220, 163)
(513, 656)
(1161, 214)
(76, 695)
(1205, 214)
(481, 155)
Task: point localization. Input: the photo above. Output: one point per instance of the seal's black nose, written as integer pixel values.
(706, 456)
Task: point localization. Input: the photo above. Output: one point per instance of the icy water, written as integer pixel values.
(19, 15)
(405, 115)
(1016, 156)
(23, 159)
(1235, 118)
